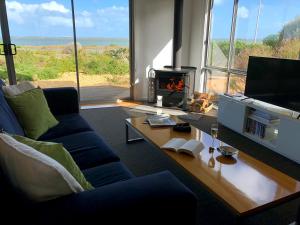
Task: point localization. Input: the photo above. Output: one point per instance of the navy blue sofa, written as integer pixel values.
(118, 197)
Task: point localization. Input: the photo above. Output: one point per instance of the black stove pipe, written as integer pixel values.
(177, 34)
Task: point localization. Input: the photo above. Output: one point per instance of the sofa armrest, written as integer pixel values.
(153, 199)
(62, 100)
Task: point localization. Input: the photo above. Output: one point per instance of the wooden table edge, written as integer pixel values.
(242, 214)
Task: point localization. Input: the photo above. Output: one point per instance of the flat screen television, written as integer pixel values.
(275, 81)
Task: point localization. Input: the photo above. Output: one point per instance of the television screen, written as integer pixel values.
(275, 81)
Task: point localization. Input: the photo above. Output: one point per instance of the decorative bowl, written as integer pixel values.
(227, 150)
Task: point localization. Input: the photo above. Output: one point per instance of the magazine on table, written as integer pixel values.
(160, 121)
(191, 147)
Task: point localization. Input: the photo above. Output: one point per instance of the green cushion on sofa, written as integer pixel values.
(57, 152)
(33, 113)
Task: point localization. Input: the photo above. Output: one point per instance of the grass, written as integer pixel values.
(42, 63)
(271, 47)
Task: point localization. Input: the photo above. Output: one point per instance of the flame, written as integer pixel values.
(172, 86)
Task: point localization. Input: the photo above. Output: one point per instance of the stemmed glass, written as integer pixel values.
(214, 133)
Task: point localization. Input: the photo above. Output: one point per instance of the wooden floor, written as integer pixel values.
(112, 104)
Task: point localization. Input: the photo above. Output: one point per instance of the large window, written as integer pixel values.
(241, 28)
(44, 33)
(3, 71)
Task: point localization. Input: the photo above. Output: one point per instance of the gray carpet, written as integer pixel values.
(142, 158)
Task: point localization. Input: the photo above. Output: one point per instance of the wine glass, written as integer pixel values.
(214, 133)
(211, 161)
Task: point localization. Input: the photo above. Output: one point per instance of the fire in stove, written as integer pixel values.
(175, 84)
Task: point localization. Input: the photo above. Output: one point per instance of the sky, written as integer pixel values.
(110, 18)
(273, 15)
(53, 18)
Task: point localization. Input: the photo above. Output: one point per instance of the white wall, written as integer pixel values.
(154, 34)
(153, 40)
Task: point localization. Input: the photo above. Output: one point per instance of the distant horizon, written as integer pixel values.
(91, 37)
(84, 41)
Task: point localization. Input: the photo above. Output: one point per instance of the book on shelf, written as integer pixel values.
(160, 121)
(260, 130)
(263, 117)
(191, 147)
(256, 128)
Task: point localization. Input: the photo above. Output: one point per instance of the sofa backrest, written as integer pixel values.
(8, 120)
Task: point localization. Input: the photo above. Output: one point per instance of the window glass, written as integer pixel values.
(103, 51)
(237, 84)
(268, 28)
(216, 82)
(42, 31)
(218, 50)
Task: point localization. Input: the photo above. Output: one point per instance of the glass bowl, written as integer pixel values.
(227, 150)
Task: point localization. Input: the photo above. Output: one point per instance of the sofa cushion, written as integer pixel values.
(8, 120)
(87, 149)
(57, 152)
(107, 174)
(33, 113)
(68, 124)
(13, 90)
(34, 174)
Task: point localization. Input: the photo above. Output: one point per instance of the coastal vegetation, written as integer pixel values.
(35, 63)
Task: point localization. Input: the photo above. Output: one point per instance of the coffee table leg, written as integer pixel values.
(298, 217)
(128, 141)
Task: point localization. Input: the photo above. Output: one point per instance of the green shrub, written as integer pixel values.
(241, 60)
(289, 49)
(45, 64)
(3, 74)
(272, 40)
(104, 64)
(239, 46)
(118, 53)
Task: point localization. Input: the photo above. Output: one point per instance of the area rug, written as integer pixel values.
(143, 158)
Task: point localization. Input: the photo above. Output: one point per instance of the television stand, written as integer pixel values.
(274, 127)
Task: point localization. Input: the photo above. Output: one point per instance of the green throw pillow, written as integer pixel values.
(57, 152)
(33, 113)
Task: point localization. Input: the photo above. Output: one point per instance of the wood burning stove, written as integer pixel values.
(175, 86)
(175, 83)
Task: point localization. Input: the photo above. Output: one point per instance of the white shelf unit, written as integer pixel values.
(282, 128)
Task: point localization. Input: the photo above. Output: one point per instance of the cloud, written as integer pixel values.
(113, 20)
(83, 20)
(53, 6)
(57, 21)
(16, 11)
(114, 12)
(45, 15)
(243, 12)
(86, 13)
(20, 12)
(117, 16)
(218, 2)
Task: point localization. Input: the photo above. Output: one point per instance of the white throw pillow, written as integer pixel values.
(34, 174)
(13, 90)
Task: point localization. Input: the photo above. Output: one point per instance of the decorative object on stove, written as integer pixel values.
(201, 103)
(151, 86)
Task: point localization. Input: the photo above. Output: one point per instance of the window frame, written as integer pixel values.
(229, 70)
(10, 65)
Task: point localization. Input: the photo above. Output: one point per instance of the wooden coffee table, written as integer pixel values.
(245, 184)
